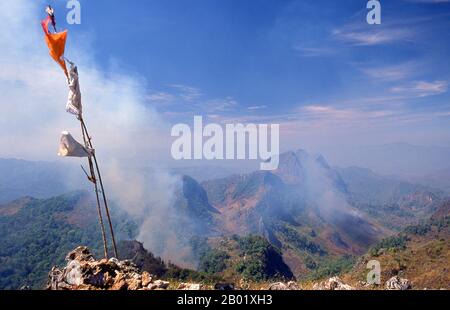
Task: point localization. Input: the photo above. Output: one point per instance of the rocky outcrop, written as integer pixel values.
(332, 284)
(280, 286)
(190, 287)
(398, 284)
(83, 272)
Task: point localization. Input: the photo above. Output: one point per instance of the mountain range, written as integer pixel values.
(314, 213)
(319, 219)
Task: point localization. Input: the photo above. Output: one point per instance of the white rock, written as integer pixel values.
(189, 287)
(333, 284)
(161, 284)
(278, 286)
(398, 284)
(73, 274)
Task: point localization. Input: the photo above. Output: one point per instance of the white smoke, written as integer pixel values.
(126, 131)
(149, 196)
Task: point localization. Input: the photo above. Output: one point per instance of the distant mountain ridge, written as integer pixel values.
(400, 159)
(315, 214)
(19, 178)
(364, 185)
(312, 211)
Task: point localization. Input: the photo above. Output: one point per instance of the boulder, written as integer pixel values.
(83, 272)
(81, 254)
(161, 284)
(190, 287)
(280, 286)
(146, 279)
(74, 275)
(293, 286)
(333, 284)
(398, 284)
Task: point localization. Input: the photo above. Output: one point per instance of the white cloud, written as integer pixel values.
(362, 37)
(160, 97)
(339, 114)
(422, 88)
(187, 93)
(389, 73)
(257, 107)
(313, 51)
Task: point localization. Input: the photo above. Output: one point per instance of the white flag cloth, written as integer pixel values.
(69, 147)
(74, 99)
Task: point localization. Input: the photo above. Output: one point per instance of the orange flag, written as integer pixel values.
(56, 43)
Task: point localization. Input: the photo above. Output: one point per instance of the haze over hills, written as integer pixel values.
(312, 212)
(366, 186)
(424, 165)
(438, 179)
(416, 163)
(317, 218)
(19, 178)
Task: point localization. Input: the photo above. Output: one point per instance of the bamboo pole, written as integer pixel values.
(93, 179)
(105, 201)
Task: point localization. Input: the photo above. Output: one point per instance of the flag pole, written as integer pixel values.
(93, 179)
(57, 53)
(105, 201)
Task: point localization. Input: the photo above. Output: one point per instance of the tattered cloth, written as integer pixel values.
(56, 43)
(69, 147)
(74, 99)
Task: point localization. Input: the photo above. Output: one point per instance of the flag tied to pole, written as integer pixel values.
(69, 147)
(74, 99)
(56, 43)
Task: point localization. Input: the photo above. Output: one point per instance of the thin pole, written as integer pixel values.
(103, 189)
(105, 247)
(106, 207)
(100, 216)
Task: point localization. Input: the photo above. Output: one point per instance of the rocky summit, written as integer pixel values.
(83, 272)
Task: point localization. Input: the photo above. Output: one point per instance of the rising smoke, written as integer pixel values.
(126, 131)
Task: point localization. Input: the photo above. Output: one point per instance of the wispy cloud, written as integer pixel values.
(183, 100)
(334, 113)
(187, 93)
(422, 88)
(257, 107)
(160, 98)
(219, 105)
(360, 37)
(390, 73)
(313, 51)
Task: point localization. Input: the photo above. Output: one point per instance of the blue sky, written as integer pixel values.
(279, 60)
(276, 56)
(315, 67)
